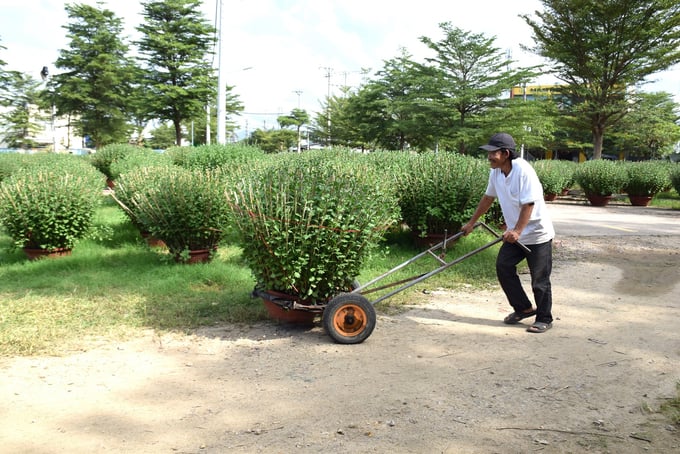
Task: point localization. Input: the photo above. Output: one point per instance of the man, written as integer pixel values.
(514, 182)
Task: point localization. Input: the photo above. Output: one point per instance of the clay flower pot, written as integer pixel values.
(35, 254)
(640, 200)
(598, 200)
(279, 307)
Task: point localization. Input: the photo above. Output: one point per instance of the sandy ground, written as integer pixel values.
(443, 377)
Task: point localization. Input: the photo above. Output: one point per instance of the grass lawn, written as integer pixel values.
(669, 199)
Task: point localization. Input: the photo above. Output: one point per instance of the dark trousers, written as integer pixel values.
(540, 267)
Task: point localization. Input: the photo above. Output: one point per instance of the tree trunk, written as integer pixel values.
(598, 139)
(178, 133)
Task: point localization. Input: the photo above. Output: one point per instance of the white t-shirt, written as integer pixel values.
(520, 187)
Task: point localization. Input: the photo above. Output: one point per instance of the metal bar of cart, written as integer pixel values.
(409, 282)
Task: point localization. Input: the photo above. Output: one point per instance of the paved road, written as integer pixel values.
(580, 219)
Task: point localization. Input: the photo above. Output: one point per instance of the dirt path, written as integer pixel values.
(444, 377)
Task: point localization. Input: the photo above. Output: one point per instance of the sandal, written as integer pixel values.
(539, 327)
(516, 317)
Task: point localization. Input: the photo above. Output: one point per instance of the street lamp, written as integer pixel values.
(45, 74)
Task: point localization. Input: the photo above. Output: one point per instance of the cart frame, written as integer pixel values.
(349, 318)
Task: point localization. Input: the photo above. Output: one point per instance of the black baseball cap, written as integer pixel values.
(498, 141)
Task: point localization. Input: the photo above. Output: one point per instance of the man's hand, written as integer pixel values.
(468, 228)
(511, 236)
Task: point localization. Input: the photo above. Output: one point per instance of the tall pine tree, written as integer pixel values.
(94, 75)
(175, 49)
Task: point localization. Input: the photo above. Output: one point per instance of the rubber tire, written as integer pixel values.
(349, 318)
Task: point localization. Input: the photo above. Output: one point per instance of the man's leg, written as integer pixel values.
(509, 256)
(540, 266)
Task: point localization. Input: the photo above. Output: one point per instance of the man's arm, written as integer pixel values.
(512, 235)
(482, 207)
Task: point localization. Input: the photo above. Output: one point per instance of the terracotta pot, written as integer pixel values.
(597, 200)
(197, 256)
(549, 197)
(35, 254)
(282, 313)
(640, 200)
(152, 241)
(431, 239)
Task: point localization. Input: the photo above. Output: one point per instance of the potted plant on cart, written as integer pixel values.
(600, 179)
(438, 192)
(645, 180)
(306, 224)
(48, 204)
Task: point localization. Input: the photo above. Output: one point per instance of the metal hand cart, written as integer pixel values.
(349, 318)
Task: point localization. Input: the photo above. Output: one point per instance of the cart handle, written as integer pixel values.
(498, 235)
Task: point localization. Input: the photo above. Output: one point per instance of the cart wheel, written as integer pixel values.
(349, 318)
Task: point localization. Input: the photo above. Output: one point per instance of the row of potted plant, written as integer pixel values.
(305, 222)
(601, 179)
(556, 176)
(641, 181)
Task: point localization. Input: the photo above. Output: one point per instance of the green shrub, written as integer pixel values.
(601, 177)
(108, 154)
(136, 158)
(439, 192)
(186, 209)
(178, 155)
(553, 174)
(646, 178)
(569, 169)
(50, 201)
(209, 157)
(11, 162)
(675, 177)
(306, 222)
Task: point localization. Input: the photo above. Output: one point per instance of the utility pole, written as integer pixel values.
(299, 148)
(45, 74)
(329, 72)
(221, 83)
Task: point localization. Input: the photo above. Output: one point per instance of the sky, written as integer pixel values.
(285, 54)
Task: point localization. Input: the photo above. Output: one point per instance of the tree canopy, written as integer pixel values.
(602, 49)
(175, 49)
(95, 74)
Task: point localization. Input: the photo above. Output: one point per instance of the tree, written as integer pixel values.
(297, 118)
(20, 125)
(162, 137)
(93, 85)
(273, 140)
(650, 130)
(533, 124)
(388, 111)
(346, 128)
(175, 45)
(470, 76)
(601, 49)
(4, 80)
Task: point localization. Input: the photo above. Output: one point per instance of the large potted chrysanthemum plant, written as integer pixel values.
(438, 192)
(184, 208)
(306, 224)
(48, 203)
